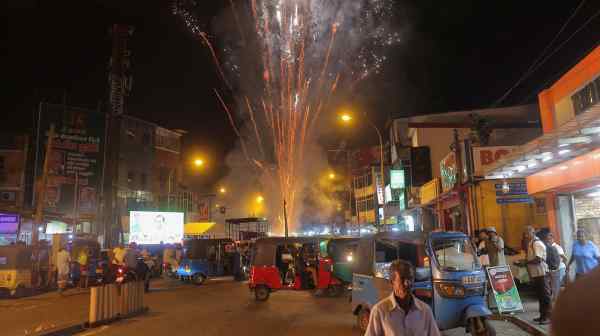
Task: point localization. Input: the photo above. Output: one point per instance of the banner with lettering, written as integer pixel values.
(76, 160)
(504, 289)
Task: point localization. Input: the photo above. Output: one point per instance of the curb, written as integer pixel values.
(521, 323)
(78, 328)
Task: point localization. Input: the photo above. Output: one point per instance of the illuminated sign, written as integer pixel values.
(153, 227)
(397, 179)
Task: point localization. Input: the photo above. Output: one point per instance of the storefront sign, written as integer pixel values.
(397, 178)
(448, 171)
(484, 157)
(504, 289)
(512, 192)
(9, 223)
(388, 194)
(75, 162)
(430, 191)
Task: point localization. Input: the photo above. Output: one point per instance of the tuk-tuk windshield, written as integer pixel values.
(455, 254)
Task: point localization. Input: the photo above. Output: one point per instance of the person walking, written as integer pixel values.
(82, 260)
(585, 255)
(495, 247)
(556, 260)
(401, 313)
(482, 249)
(538, 272)
(63, 261)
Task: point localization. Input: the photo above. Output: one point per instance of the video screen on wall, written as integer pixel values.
(153, 227)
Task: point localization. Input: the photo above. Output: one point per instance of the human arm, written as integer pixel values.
(538, 251)
(431, 326)
(375, 327)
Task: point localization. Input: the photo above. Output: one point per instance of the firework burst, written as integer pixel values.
(303, 53)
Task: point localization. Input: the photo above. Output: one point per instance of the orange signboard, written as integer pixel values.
(576, 171)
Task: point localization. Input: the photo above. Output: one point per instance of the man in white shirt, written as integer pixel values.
(402, 314)
(538, 272)
(557, 276)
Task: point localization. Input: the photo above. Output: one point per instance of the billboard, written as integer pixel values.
(154, 227)
(484, 157)
(75, 162)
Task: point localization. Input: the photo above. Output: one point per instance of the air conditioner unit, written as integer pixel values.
(8, 196)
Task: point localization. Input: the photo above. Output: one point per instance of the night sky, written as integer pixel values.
(455, 55)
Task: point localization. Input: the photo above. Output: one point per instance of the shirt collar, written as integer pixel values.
(394, 305)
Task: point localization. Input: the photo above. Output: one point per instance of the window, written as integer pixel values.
(455, 254)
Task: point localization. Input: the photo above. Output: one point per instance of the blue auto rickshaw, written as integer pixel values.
(204, 258)
(448, 277)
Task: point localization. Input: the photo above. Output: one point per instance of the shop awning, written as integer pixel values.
(198, 228)
(576, 137)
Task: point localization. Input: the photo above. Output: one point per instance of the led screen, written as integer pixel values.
(150, 227)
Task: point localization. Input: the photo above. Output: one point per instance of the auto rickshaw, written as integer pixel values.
(449, 277)
(15, 270)
(336, 260)
(284, 263)
(204, 258)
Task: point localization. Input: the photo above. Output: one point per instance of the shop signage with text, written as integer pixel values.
(484, 157)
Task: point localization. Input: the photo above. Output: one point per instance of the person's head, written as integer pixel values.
(530, 232)
(491, 232)
(402, 276)
(545, 235)
(482, 235)
(582, 235)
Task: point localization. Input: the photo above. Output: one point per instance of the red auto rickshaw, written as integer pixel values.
(287, 263)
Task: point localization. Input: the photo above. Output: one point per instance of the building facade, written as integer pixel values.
(562, 167)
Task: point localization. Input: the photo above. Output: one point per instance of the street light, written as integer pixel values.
(259, 199)
(346, 117)
(222, 190)
(331, 176)
(199, 162)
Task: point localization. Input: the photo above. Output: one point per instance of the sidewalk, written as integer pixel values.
(530, 311)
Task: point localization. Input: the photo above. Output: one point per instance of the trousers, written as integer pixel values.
(543, 290)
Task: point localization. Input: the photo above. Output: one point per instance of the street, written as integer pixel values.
(220, 307)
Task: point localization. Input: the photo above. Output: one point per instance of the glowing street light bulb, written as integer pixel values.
(345, 117)
(222, 190)
(259, 199)
(331, 176)
(199, 162)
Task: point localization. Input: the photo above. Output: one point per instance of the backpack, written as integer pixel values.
(552, 257)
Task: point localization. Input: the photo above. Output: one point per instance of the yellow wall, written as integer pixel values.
(516, 215)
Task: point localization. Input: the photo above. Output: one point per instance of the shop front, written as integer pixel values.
(562, 167)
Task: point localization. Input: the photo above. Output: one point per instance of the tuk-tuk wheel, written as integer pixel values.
(198, 279)
(261, 293)
(362, 319)
(20, 291)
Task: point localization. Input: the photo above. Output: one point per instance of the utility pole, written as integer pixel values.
(41, 196)
(458, 185)
(285, 221)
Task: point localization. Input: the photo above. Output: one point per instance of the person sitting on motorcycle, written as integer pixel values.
(119, 255)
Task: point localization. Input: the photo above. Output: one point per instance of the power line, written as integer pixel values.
(536, 63)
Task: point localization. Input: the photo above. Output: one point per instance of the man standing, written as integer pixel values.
(538, 272)
(63, 261)
(495, 247)
(401, 314)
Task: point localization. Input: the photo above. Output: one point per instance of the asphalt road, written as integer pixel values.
(228, 308)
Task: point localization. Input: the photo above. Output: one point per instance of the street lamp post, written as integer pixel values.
(346, 118)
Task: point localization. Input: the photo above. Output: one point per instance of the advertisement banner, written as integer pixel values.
(448, 171)
(76, 159)
(155, 227)
(504, 289)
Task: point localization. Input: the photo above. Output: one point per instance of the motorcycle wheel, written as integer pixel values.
(362, 319)
(198, 279)
(481, 327)
(261, 293)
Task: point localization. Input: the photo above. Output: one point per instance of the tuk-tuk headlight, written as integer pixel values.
(450, 290)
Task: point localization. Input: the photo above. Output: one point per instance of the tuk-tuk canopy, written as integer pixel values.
(15, 257)
(265, 249)
(405, 244)
(199, 248)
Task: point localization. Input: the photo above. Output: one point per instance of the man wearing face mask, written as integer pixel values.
(402, 314)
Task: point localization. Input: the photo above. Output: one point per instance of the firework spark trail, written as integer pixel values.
(301, 69)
